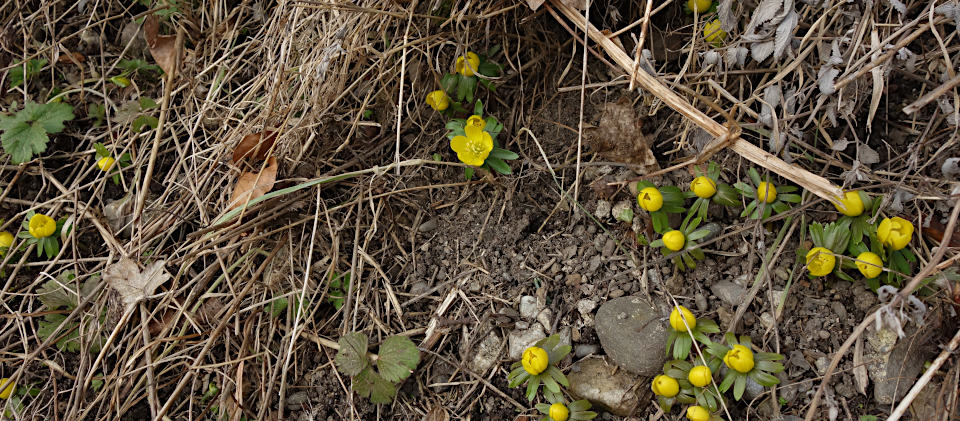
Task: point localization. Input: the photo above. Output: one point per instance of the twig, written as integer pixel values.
(932, 95)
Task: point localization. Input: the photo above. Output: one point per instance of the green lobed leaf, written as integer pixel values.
(352, 357)
(370, 385)
(739, 386)
(398, 358)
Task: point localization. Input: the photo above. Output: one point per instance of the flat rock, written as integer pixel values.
(896, 364)
(728, 292)
(519, 340)
(528, 307)
(633, 333)
(488, 353)
(606, 387)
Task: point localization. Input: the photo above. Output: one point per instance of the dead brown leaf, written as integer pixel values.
(618, 137)
(165, 49)
(437, 413)
(75, 58)
(256, 145)
(251, 185)
(131, 283)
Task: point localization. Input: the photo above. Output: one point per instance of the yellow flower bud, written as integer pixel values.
(895, 232)
(105, 163)
(699, 6)
(820, 261)
(869, 264)
(739, 358)
(472, 61)
(700, 376)
(666, 386)
(703, 186)
(678, 315)
(713, 32)
(698, 413)
(6, 241)
(650, 199)
(438, 100)
(766, 192)
(7, 391)
(851, 205)
(42, 226)
(476, 121)
(559, 412)
(535, 360)
(674, 240)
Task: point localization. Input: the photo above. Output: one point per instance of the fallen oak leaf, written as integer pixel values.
(251, 185)
(256, 145)
(131, 283)
(165, 49)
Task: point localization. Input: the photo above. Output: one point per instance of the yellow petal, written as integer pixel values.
(459, 144)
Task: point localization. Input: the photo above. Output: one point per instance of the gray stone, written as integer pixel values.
(297, 399)
(585, 306)
(753, 389)
(896, 364)
(488, 353)
(519, 340)
(582, 350)
(728, 292)
(528, 307)
(545, 318)
(606, 387)
(633, 333)
(429, 225)
(623, 211)
(603, 209)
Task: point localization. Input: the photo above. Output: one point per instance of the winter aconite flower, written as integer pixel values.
(42, 226)
(851, 204)
(699, 6)
(766, 192)
(559, 412)
(674, 240)
(700, 376)
(6, 241)
(703, 186)
(438, 100)
(713, 32)
(105, 163)
(650, 199)
(7, 391)
(467, 65)
(473, 148)
(869, 264)
(679, 315)
(476, 121)
(535, 360)
(739, 358)
(698, 413)
(820, 261)
(666, 386)
(895, 232)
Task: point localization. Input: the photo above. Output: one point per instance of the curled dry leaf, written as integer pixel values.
(255, 145)
(131, 283)
(618, 136)
(165, 49)
(251, 185)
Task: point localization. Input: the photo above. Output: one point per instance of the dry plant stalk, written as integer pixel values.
(814, 183)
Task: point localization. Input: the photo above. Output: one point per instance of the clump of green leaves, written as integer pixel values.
(494, 161)
(396, 360)
(762, 371)
(25, 133)
(767, 198)
(65, 293)
(689, 252)
(339, 286)
(20, 74)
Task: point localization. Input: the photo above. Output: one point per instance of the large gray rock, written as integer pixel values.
(487, 354)
(519, 340)
(606, 387)
(896, 364)
(633, 333)
(729, 292)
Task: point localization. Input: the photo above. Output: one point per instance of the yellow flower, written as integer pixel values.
(895, 232)
(472, 61)
(674, 240)
(869, 264)
(714, 33)
(105, 163)
(559, 412)
(698, 413)
(438, 100)
(535, 360)
(42, 226)
(739, 358)
(852, 204)
(678, 315)
(6, 241)
(820, 261)
(650, 199)
(7, 391)
(700, 376)
(476, 121)
(766, 192)
(666, 386)
(703, 186)
(473, 148)
(699, 6)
